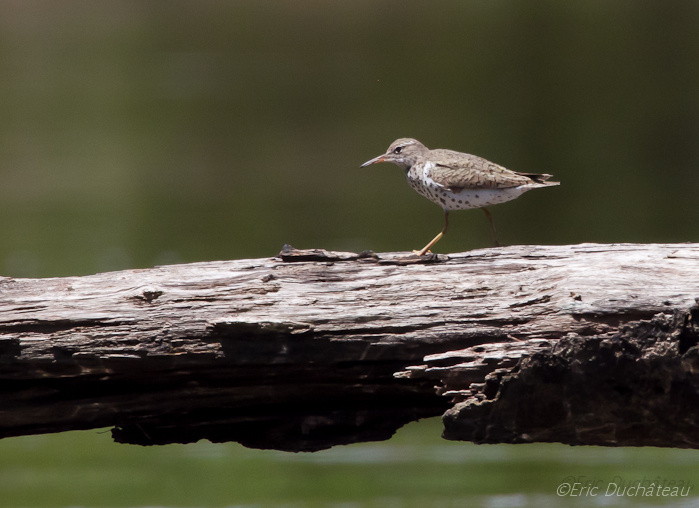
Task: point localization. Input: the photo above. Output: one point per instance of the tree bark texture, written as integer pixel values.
(580, 344)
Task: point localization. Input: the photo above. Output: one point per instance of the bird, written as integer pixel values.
(458, 181)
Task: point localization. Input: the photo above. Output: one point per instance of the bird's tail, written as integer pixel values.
(539, 178)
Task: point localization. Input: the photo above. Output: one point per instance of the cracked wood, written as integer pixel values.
(298, 352)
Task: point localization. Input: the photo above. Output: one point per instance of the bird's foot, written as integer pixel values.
(422, 252)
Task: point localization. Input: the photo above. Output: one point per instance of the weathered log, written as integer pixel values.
(314, 348)
(636, 387)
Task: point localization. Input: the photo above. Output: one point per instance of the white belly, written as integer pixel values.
(466, 199)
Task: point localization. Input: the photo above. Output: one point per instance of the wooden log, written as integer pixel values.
(636, 387)
(313, 348)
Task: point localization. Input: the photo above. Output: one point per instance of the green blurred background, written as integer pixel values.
(137, 133)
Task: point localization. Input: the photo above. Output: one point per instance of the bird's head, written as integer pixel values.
(404, 152)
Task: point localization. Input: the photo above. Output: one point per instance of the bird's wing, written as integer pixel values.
(457, 171)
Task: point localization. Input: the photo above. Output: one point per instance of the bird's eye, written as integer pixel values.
(397, 149)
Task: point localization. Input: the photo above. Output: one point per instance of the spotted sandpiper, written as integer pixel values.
(457, 181)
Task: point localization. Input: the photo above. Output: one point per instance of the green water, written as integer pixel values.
(139, 132)
(414, 469)
(136, 133)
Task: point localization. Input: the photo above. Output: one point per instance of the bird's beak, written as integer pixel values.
(380, 158)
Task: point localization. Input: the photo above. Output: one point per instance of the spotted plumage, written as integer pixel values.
(458, 181)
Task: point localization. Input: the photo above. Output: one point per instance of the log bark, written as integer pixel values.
(581, 344)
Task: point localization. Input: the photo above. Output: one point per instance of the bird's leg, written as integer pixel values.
(436, 238)
(492, 226)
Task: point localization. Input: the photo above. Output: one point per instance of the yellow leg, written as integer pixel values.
(436, 238)
(492, 226)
